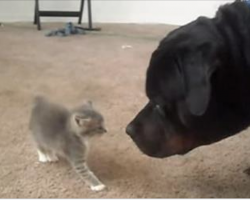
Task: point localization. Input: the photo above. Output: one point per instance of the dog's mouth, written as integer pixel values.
(164, 147)
(164, 152)
(146, 147)
(146, 150)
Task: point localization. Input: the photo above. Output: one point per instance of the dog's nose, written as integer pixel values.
(130, 130)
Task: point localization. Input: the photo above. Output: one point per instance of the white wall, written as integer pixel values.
(117, 11)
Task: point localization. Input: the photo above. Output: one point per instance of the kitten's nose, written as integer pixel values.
(130, 130)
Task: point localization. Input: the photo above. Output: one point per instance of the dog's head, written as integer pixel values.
(178, 86)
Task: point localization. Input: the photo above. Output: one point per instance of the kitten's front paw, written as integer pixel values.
(98, 187)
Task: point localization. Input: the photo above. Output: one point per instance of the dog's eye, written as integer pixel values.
(160, 110)
(158, 107)
(158, 101)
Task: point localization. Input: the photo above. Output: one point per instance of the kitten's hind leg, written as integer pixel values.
(46, 156)
(53, 157)
(42, 157)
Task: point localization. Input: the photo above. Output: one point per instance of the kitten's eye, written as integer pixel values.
(102, 129)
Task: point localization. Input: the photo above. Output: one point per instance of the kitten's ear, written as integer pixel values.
(90, 103)
(81, 120)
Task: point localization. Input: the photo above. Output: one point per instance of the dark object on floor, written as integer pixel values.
(41, 13)
(247, 2)
(69, 29)
(198, 85)
(247, 171)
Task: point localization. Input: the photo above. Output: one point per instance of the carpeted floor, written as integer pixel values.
(95, 66)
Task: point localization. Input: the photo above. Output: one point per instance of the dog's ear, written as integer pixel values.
(197, 82)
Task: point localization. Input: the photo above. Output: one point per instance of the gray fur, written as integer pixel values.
(59, 132)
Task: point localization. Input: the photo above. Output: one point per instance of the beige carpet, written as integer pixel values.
(94, 66)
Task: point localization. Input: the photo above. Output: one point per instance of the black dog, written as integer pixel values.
(198, 85)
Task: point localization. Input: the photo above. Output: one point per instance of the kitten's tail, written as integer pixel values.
(36, 101)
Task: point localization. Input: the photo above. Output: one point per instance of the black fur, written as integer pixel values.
(198, 85)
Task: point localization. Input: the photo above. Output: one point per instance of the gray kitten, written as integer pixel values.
(59, 132)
